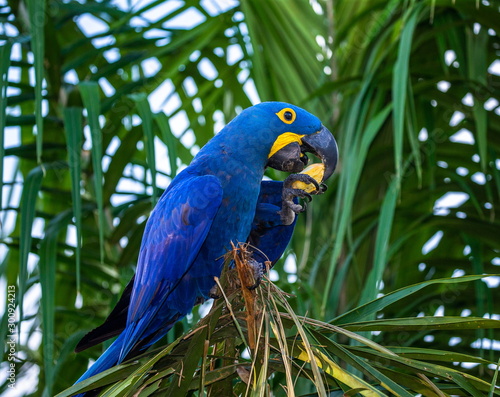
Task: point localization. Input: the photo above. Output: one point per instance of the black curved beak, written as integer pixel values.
(323, 145)
(289, 158)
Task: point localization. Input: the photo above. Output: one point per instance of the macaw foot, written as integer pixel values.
(214, 292)
(258, 273)
(288, 208)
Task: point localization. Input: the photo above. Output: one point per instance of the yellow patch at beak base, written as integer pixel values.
(283, 140)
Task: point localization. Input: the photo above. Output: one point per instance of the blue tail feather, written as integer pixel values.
(124, 344)
(107, 360)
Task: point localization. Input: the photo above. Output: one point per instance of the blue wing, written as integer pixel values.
(268, 235)
(174, 234)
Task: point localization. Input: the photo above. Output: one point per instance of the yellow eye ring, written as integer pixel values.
(287, 115)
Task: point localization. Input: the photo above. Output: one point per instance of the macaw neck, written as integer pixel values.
(242, 156)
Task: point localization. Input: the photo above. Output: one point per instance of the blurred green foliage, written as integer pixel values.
(102, 102)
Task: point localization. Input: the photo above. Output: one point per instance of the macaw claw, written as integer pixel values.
(304, 178)
(288, 208)
(214, 292)
(258, 273)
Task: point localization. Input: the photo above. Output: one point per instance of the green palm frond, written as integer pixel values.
(102, 103)
(223, 352)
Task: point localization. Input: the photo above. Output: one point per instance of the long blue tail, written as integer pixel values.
(127, 341)
(107, 360)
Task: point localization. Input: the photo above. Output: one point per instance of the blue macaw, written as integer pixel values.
(218, 199)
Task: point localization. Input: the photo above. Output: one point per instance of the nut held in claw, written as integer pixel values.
(316, 171)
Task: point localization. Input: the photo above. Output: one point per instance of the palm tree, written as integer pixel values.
(101, 103)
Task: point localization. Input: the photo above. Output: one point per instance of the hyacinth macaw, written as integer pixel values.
(218, 199)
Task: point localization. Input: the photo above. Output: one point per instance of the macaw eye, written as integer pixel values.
(287, 115)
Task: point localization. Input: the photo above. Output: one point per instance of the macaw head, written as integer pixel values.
(289, 132)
